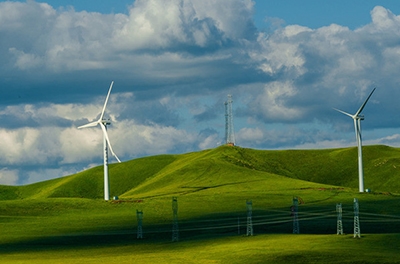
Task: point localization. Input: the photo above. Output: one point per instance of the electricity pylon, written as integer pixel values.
(295, 208)
(356, 219)
(175, 227)
(339, 219)
(249, 218)
(139, 215)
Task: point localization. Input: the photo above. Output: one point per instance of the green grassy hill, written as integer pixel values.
(222, 167)
(65, 220)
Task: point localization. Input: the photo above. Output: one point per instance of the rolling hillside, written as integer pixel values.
(225, 169)
(213, 187)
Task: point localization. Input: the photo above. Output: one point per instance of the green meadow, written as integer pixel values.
(65, 220)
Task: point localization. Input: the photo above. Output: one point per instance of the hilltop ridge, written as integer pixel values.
(224, 167)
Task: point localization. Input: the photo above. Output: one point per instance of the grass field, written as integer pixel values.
(65, 220)
(257, 249)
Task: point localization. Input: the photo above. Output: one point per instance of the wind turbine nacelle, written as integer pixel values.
(106, 122)
(361, 117)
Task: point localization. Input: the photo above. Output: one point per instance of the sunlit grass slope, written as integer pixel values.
(224, 168)
(65, 220)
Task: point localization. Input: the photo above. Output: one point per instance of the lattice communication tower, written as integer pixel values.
(249, 218)
(339, 225)
(139, 215)
(356, 219)
(175, 227)
(229, 131)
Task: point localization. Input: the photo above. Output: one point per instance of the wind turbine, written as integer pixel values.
(357, 117)
(106, 142)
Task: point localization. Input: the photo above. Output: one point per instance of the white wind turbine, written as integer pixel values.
(106, 142)
(357, 117)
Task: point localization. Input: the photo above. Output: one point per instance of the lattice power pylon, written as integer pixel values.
(295, 215)
(229, 131)
(356, 219)
(175, 227)
(339, 219)
(249, 218)
(139, 215)
(238, 225)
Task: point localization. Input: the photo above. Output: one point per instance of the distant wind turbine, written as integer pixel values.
(357, 117)
(106, 141)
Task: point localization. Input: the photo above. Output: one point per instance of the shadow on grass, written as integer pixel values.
(312, 220)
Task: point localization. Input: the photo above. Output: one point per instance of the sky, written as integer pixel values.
(287, 64)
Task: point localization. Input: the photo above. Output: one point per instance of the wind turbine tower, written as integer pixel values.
(357, 117)
(103, 122)
(229, 132)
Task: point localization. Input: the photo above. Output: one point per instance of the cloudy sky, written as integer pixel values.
(174, 62)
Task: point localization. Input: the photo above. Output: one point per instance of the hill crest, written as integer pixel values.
(224, 168)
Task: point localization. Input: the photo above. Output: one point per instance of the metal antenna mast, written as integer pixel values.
(249, 220)
(229, 132)
(339, 219)
(139, 215)
(295, 208)
(175, 227)
(356, 219)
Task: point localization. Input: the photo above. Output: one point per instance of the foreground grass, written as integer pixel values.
(234, 249)
(91, 231)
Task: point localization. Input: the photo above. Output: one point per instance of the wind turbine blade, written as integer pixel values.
(92, 124)
(363, 105)
(343, 112)
(103, 127)
(105, 103)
